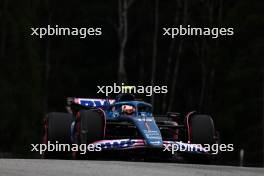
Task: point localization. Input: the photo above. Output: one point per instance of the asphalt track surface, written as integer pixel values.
(42, 167)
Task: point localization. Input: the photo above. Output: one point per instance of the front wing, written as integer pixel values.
(124, 144)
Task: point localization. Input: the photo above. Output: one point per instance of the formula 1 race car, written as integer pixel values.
(125, 124)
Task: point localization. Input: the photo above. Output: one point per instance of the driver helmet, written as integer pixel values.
(128, 110)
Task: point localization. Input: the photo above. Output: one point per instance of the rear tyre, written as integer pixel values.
(90, 127)
(57, 130)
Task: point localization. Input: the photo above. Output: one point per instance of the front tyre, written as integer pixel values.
(89, 127)
(202, 129)
(202, 132)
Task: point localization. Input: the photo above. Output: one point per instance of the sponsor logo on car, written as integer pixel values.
(119, 144)
(93, 102)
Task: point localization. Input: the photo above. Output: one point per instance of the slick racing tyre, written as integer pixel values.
(89, 127)
(202, 129)
(202, 132)
(92, 126)
(57, 130)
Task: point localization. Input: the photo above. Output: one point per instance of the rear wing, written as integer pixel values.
(90, 102)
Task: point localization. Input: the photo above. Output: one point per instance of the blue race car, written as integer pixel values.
(127, 124)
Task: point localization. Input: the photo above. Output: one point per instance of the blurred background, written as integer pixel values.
(223, 76)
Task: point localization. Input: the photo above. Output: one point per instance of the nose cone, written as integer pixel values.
(153, 138)
(149, 130)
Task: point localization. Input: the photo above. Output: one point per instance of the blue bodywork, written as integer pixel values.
(142, 118)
